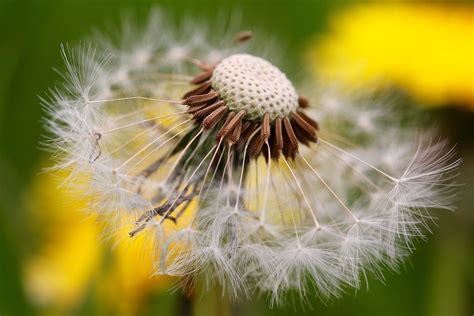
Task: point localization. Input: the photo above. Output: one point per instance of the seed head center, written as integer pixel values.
(252, 84)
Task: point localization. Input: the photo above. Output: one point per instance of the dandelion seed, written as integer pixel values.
(237, 177)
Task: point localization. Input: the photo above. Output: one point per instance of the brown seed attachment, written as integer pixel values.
(256, 145)
(212, 119)
(243, 36)
(203, 88)
(229, 126)
(303, 102)
(234, 136)
(203, 76)
(266, 126)
(279, 134)
(248, 132)
(208, 109)
(304, 126)
(309, 120)
(201, 98)
(291, 145)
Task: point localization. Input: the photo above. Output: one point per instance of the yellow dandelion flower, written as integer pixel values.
(426, 49)
(58, 274)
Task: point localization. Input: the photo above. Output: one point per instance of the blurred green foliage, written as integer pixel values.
(437, 280)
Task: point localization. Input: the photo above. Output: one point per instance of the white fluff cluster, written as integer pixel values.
(345, 207)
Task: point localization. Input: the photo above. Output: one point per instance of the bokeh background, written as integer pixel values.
(55, 261)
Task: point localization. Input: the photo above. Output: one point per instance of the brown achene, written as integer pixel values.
(283, 136)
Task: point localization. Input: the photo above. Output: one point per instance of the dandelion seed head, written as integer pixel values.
(209, 151)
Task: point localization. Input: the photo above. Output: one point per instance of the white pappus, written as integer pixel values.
(198, 142)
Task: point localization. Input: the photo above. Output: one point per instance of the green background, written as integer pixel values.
(437, 280)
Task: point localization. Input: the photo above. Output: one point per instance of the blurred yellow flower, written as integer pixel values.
(58, 274)
(73, 261)
(425, 49)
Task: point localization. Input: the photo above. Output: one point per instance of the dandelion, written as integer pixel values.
(209, 151)
(425, 49)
